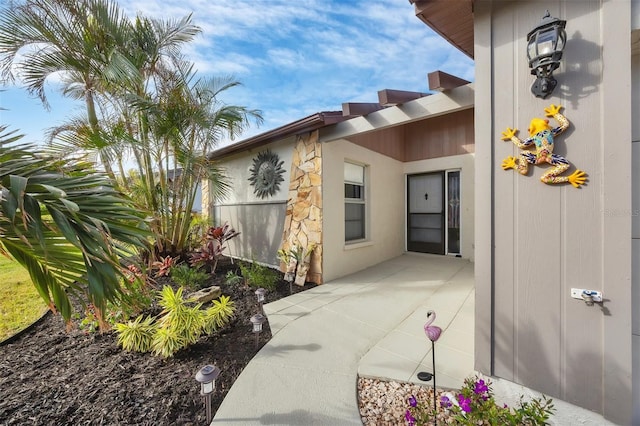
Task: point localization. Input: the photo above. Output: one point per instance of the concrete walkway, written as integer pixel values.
(368, 324)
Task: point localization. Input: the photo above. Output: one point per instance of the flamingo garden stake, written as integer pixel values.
(433, 333)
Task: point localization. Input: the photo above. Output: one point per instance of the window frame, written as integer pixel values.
(362, 200)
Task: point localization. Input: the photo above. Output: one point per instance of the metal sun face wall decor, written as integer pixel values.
(266, 174)
(541, 140)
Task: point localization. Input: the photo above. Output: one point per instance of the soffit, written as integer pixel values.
(452, 19)
(307, 124)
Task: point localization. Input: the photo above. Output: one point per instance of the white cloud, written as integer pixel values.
(298, 57)
(287, 58)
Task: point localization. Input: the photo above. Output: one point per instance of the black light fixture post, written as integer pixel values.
(425, 376)
(207, 376)
(545, 44)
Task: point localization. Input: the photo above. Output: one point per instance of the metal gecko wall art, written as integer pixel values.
(541, 139)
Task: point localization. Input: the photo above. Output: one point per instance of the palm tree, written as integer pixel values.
(43, 37)
(65, 224)
(186, 120)
(90, 43)
(141, 96)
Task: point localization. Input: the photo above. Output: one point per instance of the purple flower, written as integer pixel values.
(480, 387)
(413, 401)
(411, 421)
(465, 403)
(445, 402)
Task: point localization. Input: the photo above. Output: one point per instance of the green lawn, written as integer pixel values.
(20, 303)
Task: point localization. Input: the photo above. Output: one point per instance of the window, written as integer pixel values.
(354, 202)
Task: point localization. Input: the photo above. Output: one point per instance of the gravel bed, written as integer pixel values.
(384, 403)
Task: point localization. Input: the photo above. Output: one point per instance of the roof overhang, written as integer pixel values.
(387, 99)
(304, 125)
(446, 102)
(452, 19)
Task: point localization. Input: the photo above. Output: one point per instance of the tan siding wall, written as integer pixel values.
(546, 239)
(442, 136)
(635, 114)
(484, 168)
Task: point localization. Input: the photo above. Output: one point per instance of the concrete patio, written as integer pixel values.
(370, 324)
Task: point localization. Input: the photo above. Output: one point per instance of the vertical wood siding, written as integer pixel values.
(548, 239)
(442, 136)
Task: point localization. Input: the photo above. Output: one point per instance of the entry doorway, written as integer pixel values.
(433, 212)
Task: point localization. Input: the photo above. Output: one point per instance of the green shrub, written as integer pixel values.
(166, 342)
(178, 326)
(134, 299)
(171, 300)
(187, 322)
(188, 277)
(136, 335)
(219, 314)
(232, 278)
(256, 275)
(197, 231)
(88, 321)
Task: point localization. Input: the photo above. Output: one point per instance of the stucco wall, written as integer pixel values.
(467, 172)
(534, 242)
(385, 198)
(259, 221)
(237, 167)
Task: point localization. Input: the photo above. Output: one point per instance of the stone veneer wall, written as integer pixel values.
(206, 199)
(303, 220)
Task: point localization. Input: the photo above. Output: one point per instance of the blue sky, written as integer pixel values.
(293, 57)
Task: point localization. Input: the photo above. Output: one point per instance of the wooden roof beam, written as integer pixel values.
(441, 81)
(389, 97)
(355, 109)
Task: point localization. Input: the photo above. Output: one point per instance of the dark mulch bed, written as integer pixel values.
(52, 377)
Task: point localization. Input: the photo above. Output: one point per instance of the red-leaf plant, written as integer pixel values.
(213, 247)
(164, 265)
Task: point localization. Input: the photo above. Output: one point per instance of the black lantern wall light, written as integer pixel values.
(545, 44)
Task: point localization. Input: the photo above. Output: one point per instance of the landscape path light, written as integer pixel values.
(545, 44)
(257, 320)
(260, 294)
(207, 376)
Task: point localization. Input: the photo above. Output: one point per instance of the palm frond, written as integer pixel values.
(66, 224)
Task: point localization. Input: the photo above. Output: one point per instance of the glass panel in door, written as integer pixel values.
(453, 212)
(425, 221)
